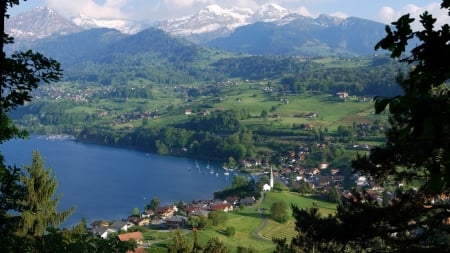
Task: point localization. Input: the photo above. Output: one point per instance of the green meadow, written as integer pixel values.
(248, 223)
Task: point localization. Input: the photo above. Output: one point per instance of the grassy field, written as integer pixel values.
(248, 220)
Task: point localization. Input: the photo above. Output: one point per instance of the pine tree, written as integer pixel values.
(39, 207)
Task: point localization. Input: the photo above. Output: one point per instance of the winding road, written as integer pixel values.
(264, 224)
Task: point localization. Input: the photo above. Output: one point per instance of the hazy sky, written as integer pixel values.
(153, 10)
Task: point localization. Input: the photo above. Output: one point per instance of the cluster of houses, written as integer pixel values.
(165, 217)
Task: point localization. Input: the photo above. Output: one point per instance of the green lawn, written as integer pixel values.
(248, 219)
(287, 230)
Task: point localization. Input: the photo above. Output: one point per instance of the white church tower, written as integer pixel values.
(269, 187)
(271, 178)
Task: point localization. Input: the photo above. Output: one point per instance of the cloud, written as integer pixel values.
(108, 9)
(339, 15)
(305, 12)
(388, 14)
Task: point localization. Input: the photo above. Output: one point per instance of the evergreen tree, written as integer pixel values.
(214, 245)
(39, 207)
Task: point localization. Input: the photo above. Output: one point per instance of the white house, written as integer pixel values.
(120, 225)
(103, 232)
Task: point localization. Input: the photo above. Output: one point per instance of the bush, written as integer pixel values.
(230, 231)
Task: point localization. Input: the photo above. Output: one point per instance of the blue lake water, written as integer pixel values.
(107, 183)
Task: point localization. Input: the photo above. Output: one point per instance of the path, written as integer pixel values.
(264, 224)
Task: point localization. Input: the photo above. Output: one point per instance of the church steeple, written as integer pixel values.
(271, 178)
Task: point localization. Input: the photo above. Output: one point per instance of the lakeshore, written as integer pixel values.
(109, 182)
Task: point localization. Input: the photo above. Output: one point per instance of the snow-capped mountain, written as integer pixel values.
(43, 22)
(269, 13)
(125, 26)
(213, 18)
(39, 23)
(215, 21)
(271, 29)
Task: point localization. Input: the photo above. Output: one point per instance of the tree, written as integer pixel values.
(416, 153)
(239, 181)
(39, 207)
(21, 73)
(135, 212)
(179, 243)
(11, 193)
(214, 245)
(154, 203)
(279, 211)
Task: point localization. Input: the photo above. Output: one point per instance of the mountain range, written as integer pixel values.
(269, 30)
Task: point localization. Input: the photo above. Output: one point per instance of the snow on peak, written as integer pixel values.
(214, 8)
(211, 18)
(270, 12)
(124, 26)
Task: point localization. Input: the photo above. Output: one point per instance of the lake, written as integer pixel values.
(107, 183)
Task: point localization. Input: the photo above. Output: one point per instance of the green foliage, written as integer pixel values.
(200, 222)
(21, 73)
(39, 207)
(279, 211)
(28, 208)
(279, 186)
(135, 212)
(218, 217)
(240, 187)
(230, 231)
(239, 181)
(154, 203)
(249, 249)
(416, 154)
(214, 245)
(179, 243)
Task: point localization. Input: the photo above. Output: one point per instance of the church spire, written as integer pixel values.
(271, 177)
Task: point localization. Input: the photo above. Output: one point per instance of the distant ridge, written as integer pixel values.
(269, 30)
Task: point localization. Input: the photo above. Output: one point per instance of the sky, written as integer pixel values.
(384, 11)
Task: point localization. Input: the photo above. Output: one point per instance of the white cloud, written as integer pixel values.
(187, 3)
(305, 12)
(339, 15)
(109, 9)
(388, 14)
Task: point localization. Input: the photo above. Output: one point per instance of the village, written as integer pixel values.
(175, 216)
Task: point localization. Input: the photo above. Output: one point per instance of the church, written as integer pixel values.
(268, 187)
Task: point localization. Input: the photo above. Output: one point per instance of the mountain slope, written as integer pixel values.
(215, 22)
(305, 36)
(39, 23)
(106, 56)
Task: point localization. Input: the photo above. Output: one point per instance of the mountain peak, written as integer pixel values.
(270, 12)
(214, 8)
(220, 21)
(40, 22)
(124, 26)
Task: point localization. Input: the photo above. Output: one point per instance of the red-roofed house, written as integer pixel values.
(136, 236)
